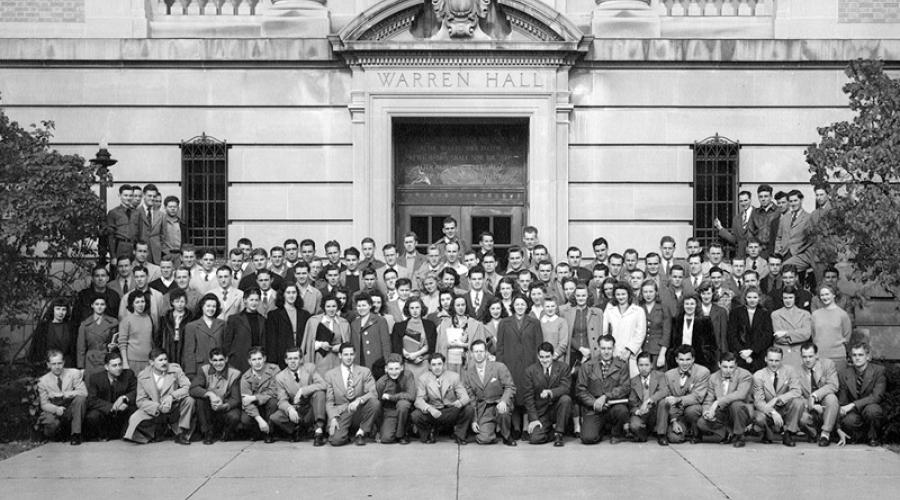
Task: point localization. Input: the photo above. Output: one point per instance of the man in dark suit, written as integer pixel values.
(216, 389)
(99, 287)
(641, 400)
(777, 398)
(741, 225)
(681, 398)
(726, 411)
(793, 239)
(602, 391)
(861, 388)
(370, 336)
(259, 261)
(547, 401)
(112, 398)
(477, 298)
(151, 222)
(301, 398)
(491, 389)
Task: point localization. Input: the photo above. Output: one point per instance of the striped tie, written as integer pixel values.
(351, 392)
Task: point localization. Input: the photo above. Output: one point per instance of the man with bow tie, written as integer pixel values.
(547, 400)
(301, 398)
(726, 411)
(777, 398)
(490, 387)
(680, 405)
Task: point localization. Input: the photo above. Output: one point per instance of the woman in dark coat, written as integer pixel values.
(748, 338)
(702, 337)
(55, 331)
(415, 338)
(245, 330)
(285, 325)
(171, 332)
(518, 339)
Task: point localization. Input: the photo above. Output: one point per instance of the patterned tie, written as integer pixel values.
(351, 392)
(812, 381)
(744, 220)
(859, 381)
(224, 295)
(296, 377)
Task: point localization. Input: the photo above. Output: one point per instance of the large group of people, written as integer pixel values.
(496, 346)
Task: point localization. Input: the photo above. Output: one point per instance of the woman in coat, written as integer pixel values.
(414, 339)
(285, 324)
(518, 339)
(659, 324)
(171, 332)
(202, 334)
(695, 330)
(750, 331)
(244, 330)
(324, 334)
(717, 315)
(792, 326)
(136, 334)
(494, 312)
(454, 336)
(55, 331)
(94, 337)
(627, 323)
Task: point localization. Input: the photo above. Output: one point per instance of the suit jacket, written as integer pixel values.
(594, 322)
(232, 304)
(238, 339)
(756, 336)
(637, 396)
(873, 386)
(248, 281)
(671, 302)
(432, 392)
(102, 394)
(288, 387)
(659, 329)
(51, 395)
(198, 340)
(269, 304)
(693, 392)
(151, 231)
(336, 400)
(161, 287)
(592, 384)
(702, 340)
(536, 381)
(718, 316)
(739, 233)
(227, 387)
(371, 341)
(153, 272)
(164, 336)
(763, 391)
(738, 389)
(175, 384)
(764, 225)
(480, 311)
(497, 386)
(826, 377)
(793, 236)
(280, 335)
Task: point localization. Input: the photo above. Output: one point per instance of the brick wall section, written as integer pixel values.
(42, 11)
(869, 11)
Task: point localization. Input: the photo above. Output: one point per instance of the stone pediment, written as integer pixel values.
(452, 32)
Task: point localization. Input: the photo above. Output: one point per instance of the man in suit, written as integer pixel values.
(395, 307)
(217, 396)
(351, 275)
(162, 399)
(311, 296)
(141, 257)
(777, 398)
(547, 401)
(450, 228)
(477, 298)
(861, 388)
(301, 398)
(141, 285)
(396, 390)
(764, 219)
(491, 276)
(123, 225)
(99, 287)
(350, 399)
(259, 260)
(165, 283)
(182, 282)
(602, 391)
(793, 238)
(367, 250)
(370, 336)
(203, 277)
(579, 272)
(681, 399)
(259, 394)
(230, 298)
(818, 386)
(267, 294)
(491, 389)
(63, 396)
(410, 258)
(641, 400)
(112, 398)
(441, 399)
(741, 227)
(726, 410)
(673, 293)
(151, 223)
(433, 265)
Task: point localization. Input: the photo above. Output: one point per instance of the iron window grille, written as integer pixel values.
(204, 168)
(716, 169)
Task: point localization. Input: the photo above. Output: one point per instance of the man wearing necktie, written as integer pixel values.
(441, 399)
(301, 398)
(862, 386)
(819, 387)
(726, 410)
(777, 398)
(350, 399)
(679, 407)
(490, 387)
(547, 401)
(63, 396)
(645, 395)
(740, 230)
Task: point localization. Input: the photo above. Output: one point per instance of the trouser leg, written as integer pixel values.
(590, 427)
(873, 415)
(75, 413)
(830, 413)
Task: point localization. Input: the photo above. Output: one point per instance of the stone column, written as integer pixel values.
(296, 19)
(624, 19)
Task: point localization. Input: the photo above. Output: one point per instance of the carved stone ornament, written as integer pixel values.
(460, 18)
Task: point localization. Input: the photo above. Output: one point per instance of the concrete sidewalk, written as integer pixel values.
(244, 469)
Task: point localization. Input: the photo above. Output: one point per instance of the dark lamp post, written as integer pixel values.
(103, 160)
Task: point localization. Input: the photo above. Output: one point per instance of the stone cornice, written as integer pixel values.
(473, 53)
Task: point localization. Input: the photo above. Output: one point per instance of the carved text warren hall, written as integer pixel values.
(461, 79)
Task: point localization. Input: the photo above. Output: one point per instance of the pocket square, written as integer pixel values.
(493, 379)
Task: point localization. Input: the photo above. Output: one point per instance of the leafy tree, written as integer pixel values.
(860, 160)
(50, 220)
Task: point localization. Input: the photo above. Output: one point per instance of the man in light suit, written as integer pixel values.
(151, 223)
(312, 297)
(477, 298)
(777, 398)
(230, 298)
(141, 258)
(350, 399)
(726, 404)
(441, 399)
(741, 226)
(63, 396)
(410, 258)
(793, 238)
(861, 388)
(162, 399)
(112, 396)
(641, 401)
(681, 399)
(370, 336)
(491, 389)
(547, 401)
(301, 398)
(819, 387)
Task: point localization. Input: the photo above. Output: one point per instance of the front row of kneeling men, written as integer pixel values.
(347, 404)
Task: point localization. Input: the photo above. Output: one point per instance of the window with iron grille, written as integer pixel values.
(204, 167)
(716, 163)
